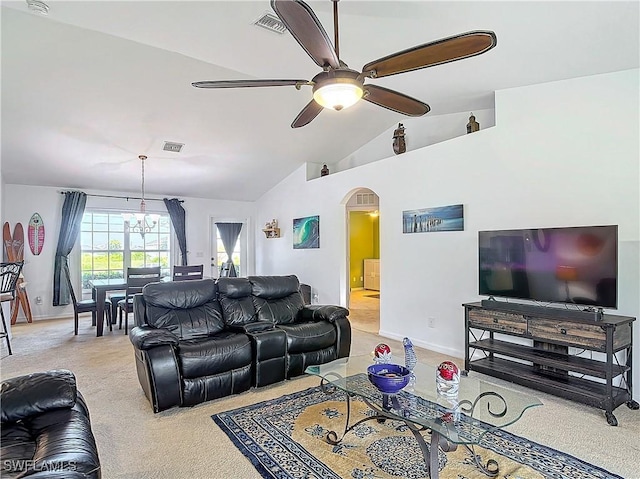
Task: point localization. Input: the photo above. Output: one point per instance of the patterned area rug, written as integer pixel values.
(285, 438)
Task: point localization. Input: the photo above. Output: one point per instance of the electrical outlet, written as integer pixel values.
(361, 278)
(354, 279)
(315, 298)
(38, 299)
(431, 322)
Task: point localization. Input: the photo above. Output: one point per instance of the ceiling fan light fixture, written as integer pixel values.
(338, 93)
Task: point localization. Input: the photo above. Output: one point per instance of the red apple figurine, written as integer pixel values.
(382, 353)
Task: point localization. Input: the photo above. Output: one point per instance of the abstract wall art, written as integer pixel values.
(440, 218)
(306, 232)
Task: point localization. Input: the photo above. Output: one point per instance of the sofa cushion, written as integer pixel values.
(276, 298)
(36, 393)
(274, 287)
(311, 336)
(220, 353)
(236, 301)
(188, 309)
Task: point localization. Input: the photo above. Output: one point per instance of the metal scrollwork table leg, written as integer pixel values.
(438, 441)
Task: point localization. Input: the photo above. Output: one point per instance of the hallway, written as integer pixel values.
(364, 310)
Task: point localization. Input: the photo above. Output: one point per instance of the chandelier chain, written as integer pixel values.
(143, 204)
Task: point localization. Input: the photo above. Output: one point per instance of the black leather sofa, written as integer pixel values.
(195, 341)
(46, 431)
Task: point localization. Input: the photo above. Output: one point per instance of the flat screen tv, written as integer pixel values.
(577, 265)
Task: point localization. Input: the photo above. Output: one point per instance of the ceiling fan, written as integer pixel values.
(337, 86)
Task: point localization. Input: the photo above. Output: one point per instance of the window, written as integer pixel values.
(108, 248)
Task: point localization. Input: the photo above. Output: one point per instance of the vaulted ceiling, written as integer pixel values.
(92, 85)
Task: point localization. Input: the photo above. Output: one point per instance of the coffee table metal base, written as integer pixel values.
(429, 453)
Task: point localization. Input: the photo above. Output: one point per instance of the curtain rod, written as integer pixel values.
(125, 197)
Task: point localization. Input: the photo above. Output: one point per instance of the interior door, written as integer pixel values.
(241, 252)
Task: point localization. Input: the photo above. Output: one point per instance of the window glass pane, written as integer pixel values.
(150, 241)
(100, 261)
(87, 262)
(165, 224)
(164, 241)
(116, 241)
(86, 240)
(100, 222)
(116, 223)
(164, 260)
(152, 259)
(137, 259)
(100, 241)
(116, 262)
(87, 222)
(136, 242)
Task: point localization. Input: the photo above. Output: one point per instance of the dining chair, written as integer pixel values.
(86, 306)
(188, 273)
(9, 274)
(137, 278)
(115, 299)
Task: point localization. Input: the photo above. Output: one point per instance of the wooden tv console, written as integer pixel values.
(543, 359)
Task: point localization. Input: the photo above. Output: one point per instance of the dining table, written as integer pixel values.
(99, 289)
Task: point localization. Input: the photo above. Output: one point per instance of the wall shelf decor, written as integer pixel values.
(271, 229)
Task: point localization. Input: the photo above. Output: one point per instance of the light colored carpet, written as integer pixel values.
(185, 443)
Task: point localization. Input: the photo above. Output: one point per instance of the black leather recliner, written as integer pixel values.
(316, 334)
(46, 431)
(184, 353)
(200, 340)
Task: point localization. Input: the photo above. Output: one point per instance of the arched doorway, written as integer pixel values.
(363, 260)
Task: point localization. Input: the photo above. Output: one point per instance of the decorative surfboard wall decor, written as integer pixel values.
(14, 251)
(36, 234)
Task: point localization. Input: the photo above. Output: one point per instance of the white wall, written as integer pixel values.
(561, 154)
(23, 201)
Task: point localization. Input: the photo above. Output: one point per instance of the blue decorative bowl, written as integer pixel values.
(388, 378)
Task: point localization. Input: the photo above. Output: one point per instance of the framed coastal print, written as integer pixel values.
(306, 232)
(439, 218)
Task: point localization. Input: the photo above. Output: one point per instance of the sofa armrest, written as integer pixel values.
(322, 312)
(253, 327)
(139, 310)
(147, 337)
(26, 396)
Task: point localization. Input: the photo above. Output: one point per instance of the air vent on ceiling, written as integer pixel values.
(38, 7)
(170, 146)
(271, 22)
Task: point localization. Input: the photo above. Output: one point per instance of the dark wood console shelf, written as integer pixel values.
(545, 362)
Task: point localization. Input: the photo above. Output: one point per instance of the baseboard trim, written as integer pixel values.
(455, 353)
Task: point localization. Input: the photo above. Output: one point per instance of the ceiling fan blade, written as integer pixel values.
(308, 113)
(395, 101)
(305, 27)
(247, 83)
(442, 51)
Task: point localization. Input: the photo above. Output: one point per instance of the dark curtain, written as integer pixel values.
(229, 233)
(72, 211)
(177, 215)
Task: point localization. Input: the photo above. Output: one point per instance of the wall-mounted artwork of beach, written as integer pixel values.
(439, 218)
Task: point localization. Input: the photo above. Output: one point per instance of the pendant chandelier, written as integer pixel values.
(142, 222)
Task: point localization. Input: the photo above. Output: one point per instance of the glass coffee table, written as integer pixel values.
(479, 408)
